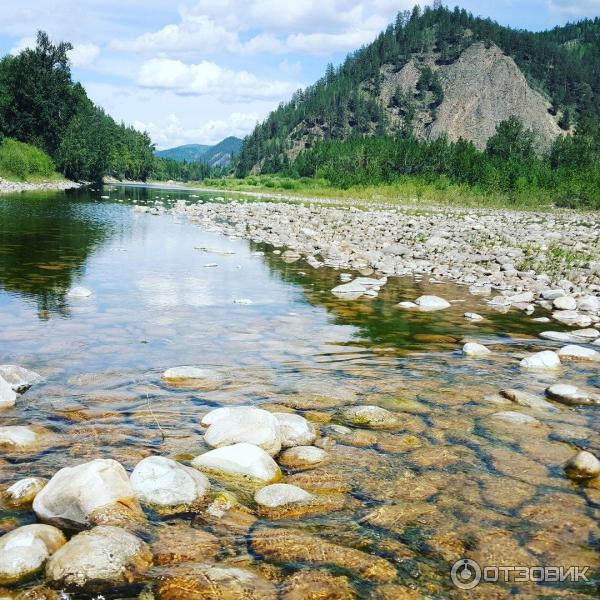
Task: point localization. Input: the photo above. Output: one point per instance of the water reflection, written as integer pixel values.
(45, 241)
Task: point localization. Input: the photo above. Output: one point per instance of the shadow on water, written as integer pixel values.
(45, 241)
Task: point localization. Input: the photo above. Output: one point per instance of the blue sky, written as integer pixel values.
(199, 70)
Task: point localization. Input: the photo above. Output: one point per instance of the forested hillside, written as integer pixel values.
(42, 106)
(561, 70)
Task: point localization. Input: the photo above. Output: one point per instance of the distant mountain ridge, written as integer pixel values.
(219, 155)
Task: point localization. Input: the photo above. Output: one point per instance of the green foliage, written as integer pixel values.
(509, 164)
(19, 161)
(165, 169)
(41, 105)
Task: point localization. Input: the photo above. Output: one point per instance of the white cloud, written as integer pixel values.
(194, 33)
(208, 78)
(303, 26)
(83, 55)
(174, 133)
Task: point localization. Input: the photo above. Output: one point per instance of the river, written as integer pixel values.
(450, 481)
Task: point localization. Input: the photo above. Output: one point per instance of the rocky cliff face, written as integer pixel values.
(483, 88)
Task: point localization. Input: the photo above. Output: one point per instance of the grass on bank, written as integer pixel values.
(409, 190)
(23, 162)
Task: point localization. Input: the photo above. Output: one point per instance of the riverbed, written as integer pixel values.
(448, 480)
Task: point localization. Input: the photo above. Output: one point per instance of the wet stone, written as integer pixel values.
(290, 546)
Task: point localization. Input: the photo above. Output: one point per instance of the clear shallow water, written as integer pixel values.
(450, 482)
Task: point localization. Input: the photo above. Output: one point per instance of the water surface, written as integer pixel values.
(450, 482)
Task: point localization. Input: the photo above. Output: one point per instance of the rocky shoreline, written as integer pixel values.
(529, 260)
(8, 187)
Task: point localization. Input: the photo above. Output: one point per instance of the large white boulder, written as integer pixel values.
(24, 551)
(575, 352)
(239, 460)
(542, 361)
(8, 396)
(104, 556)
(19, 378)
(168, 485)
(565, 303)
(281, 494)
(430, 303)
(74, 494)
(244, 424)
(295, 430)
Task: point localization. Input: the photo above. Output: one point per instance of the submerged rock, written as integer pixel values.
(19, 378)
(370, 416)
(349, 291)
(193, 376)
(303, 457)
(516, 418)
(22, 493)
(281, 494)
(101, 557)
(475, 350)
(290, 546)
(295, 430)
(167, 485)
(431, 303)
(177, 542)
(17, 436)
(317, 585)
(571, 395)
(471, 316)
(584, 465)
(98, 491)
(542, 361)
(24, 551)
(239, 460)
(243, 425)
(79, 292)
(529, 400)
(201, 581)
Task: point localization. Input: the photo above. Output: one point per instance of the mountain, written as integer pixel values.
(189, 152)
(440, 72)
(218, 155)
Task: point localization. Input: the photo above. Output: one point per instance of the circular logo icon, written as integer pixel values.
(466, 574)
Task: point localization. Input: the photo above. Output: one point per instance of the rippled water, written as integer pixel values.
(450, 482)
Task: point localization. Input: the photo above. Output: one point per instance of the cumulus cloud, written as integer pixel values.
(83, 55)
(172, 132)
(208, 78)
(306, 26)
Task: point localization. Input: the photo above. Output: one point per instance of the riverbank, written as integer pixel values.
(8, 187)
(530, 258)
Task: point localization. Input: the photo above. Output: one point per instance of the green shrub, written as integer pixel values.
(22, 162)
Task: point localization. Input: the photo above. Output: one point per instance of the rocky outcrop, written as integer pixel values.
(483, 88)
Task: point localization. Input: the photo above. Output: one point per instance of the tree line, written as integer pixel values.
(569, 173)
(41, 105)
